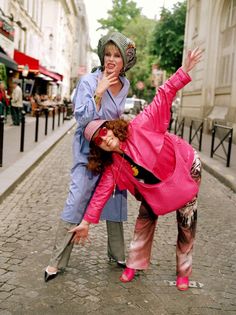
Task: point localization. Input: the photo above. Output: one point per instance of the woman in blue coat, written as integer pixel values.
(99, 95)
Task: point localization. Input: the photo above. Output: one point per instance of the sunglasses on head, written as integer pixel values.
(101, 133)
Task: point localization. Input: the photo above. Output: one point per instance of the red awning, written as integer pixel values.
(23, 60)
(34, 66)
(54, 75)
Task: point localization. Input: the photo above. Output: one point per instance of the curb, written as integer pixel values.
(219, 171)
(14, 174)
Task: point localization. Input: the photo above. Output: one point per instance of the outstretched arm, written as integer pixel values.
(93, 212)
(156, 116)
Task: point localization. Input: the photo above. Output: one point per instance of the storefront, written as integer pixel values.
(28, 68)
(7, 65)
(54, 81)
(35, 77)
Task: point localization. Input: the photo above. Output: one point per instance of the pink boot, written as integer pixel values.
(182, 283)
(127, 275)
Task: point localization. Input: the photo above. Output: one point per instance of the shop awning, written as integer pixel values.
(34, 66)
(7, 61)
(44, 77)
(54, 75)
(23, 60)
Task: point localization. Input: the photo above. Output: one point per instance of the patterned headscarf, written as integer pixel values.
(125, 45)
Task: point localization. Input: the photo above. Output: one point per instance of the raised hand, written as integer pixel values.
(105, 82)
(191, 59)
(81, 233)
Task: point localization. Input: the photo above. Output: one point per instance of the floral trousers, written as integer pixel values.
(140, 248)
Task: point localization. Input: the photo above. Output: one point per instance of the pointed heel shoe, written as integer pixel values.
(127, 275)
(49, 275)
(182, 283)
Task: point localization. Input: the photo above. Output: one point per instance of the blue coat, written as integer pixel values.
(83, 182)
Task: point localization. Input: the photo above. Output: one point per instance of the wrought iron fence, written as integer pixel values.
(195, 133)
(179, 127)
(224, 135)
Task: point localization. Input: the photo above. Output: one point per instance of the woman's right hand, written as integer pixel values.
(105, 82)
(81, 233)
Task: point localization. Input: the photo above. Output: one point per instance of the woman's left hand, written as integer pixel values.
(192, 58)
(81, 233)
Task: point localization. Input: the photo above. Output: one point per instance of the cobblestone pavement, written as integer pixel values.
(28, 219)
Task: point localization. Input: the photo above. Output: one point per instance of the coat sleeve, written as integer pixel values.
(84, 104)
(101, 195)
(156, 116)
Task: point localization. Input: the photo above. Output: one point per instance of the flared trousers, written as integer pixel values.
(141, 245)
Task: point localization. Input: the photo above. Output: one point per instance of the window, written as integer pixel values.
(227, 44)
(197, 17)
(231, 14)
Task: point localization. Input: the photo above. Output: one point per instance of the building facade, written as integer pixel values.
(211, 25)
(49, 31)
(81, 45)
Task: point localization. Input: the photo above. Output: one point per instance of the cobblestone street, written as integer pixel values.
(28, 220)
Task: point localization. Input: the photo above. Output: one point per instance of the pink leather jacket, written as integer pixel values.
(150, 145)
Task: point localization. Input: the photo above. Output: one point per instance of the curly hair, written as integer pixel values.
(98, 159)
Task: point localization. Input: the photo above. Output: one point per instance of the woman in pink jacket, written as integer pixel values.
(158, 168)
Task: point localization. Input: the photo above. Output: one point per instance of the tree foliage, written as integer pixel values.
(122, 12)
(168, 38)
(126, 17)
(156, 41)
(140, 29)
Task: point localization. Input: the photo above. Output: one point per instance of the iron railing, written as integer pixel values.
(195, 133)
(179, 127)
(225, 135)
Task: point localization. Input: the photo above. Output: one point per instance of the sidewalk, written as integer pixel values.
(16, 165)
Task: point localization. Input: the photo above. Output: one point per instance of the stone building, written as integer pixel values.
(211, 25)
(50, 38)
(81, 46)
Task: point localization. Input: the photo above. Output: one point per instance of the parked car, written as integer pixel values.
(134, 105)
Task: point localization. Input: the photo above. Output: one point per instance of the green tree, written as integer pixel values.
(122, 12)
(126, 18)
(140, 30)
(168, 38)
(3, 73)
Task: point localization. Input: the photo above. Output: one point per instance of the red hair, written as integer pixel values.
(98, 159)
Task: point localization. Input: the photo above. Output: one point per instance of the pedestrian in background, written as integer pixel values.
(16, 103)
(99, 95)
(160, 169)
(4, 100)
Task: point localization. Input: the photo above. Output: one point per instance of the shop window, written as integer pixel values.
(28, 87)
